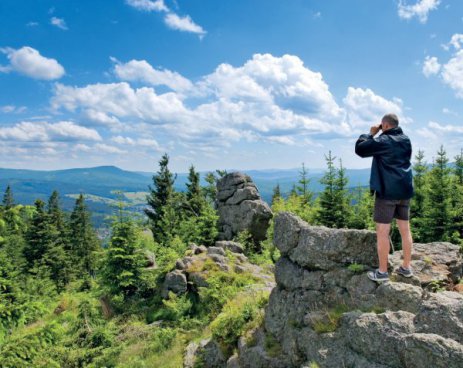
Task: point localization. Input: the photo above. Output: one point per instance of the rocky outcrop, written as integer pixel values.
(240, 207)
(192, 271)
(325, 310)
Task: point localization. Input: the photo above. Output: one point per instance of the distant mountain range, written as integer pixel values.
(101, 184)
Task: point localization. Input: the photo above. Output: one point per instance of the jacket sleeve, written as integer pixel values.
(367, 146)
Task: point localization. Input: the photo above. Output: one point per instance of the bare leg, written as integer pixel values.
(382, 234)
(406, 235)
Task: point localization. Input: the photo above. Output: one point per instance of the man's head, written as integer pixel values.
(389, 121)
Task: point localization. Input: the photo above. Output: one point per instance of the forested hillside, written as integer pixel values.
(67, 300)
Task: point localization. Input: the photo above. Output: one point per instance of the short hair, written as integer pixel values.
(391, 119)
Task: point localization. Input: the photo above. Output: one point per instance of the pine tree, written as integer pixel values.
(417, 205)
(194, 198)
(342, 206)
(303, 188)
(159, 196)
(457, 199)
(8, 201)
(276, 193)
(361, 216)
(124, 262)
(210, 191)
(38, 236)
(84, 242)
(44, 247)
(327, 213)
(459, 168)
(438, 203)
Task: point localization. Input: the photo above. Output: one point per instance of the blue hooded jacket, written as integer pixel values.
(391, 169)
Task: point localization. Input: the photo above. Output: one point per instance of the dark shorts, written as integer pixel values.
(387, 209)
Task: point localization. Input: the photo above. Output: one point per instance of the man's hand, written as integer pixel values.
(375, 129)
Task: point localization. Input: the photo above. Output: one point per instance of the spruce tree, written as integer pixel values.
(303, 188)
(124, 262)
(84, 242)
(8, 201)
(362, 209)
(44, 247)
(276, 193)
(438, 219)
(417, 205)
(457, 199)
(459, 168)
(342, 206)
(327, 215)
(194, 198)
(160, 194)
(38, 236)
(210, 190)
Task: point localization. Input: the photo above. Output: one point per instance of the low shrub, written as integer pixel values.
(237, 316)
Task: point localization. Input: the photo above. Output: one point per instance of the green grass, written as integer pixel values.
(331, 322)
(356, 268)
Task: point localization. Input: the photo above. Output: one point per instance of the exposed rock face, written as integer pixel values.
(191, 272)
(240, 207)
(393, 324)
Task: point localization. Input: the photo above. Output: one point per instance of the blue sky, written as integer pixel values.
(246, 84)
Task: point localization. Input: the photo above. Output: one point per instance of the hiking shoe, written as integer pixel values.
(405, 272)
(378, 276)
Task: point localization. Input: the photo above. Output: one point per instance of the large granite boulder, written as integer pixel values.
(240, 207)
(325, 310)
(318, 247)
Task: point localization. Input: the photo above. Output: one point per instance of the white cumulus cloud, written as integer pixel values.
(419, 10)
(45, 132)
(431, 66)
(29, 62)
(142, 71)
(171, 19)
(185, 24)
(148, 5)
(365, 108)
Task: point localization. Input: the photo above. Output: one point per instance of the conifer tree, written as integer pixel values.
(459, 168)
(8, 201)
(342, 206)
(194, 198)
(84, 242)
(210, 190)
(38, 236)
(417, 207)
(327, 212)
(457, 199)
(438, 202)
(293, 191)
(303, 188)
(124, 261)
(160, 194)
(361, 215)
(276, 193)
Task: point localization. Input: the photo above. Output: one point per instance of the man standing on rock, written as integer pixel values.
(392, 182)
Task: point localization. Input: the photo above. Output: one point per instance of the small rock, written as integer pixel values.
(175, 281)
(231, 245)
(216, 250)
(179, 265)
(201, 249)
(217, 258)
(239, 269)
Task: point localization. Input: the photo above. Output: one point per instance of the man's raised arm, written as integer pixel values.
(367, 145)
